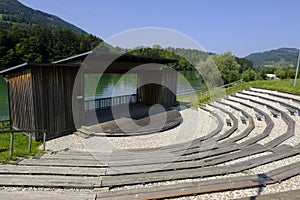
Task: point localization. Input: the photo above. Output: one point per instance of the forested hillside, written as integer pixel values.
(13, 13)
(33, 44)
(28, 35)
(283, 57)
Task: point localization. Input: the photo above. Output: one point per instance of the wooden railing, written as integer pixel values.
(102, 103)
(29, 132)
(222, 90)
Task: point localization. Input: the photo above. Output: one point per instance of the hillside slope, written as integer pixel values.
(283, 57)
(13, 13)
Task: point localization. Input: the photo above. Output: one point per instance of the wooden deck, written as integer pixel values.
(124, 121)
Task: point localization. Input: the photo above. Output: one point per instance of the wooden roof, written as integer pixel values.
(115, 56)
(99, 58)
(24, 65)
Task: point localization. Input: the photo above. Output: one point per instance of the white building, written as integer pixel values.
(272, 76)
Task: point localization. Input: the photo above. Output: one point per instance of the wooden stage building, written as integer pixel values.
(51, 96)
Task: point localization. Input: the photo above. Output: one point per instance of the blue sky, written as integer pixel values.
(239, 26)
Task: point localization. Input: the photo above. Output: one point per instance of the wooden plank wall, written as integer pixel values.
(53, 86)
(21, 99)
(149, 89)
(78, 100)
(169, 83)
(162, 92)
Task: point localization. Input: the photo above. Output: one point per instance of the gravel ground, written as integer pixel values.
(296, 139)
(195, 124)
(291, 184)
(237, 114)
(280, 126)
(277, 92)
(259, 125)
(70, 141)
(287, 185)
(222, 115)
(14, 189)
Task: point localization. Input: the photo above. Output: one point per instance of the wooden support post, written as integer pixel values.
(11, 147)
(44, 141)
(29, 143)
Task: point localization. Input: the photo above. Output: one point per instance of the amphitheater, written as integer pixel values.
(245, 146)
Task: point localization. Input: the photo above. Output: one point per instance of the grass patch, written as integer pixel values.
(205, 97)
(20, 147)
(279, 85)
(189, 100)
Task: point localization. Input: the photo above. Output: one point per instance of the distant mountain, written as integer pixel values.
(13, 13)
(283, 57)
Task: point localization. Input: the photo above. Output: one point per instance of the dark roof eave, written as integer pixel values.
(118, 57)
(148, 58)
(72, 57)
(3, 72)
(6, 71)
(122, 57)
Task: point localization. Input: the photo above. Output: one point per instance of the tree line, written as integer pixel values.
(33, 44)
(231, 68)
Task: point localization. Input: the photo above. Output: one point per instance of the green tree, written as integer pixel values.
(249, 75)
(228, 67)
(282, 73)
(292, 73)
(156, 46)
(34, 44)
(244, 64)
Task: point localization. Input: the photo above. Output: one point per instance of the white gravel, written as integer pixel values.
(222, 115)
(275, 165)
(237, 115)
(259, 125)
(296, 139)
(280, 126)
(287, 185)
(15, 189)
(277, 92)
(195, 124)
(70, 141)
(291, 184)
